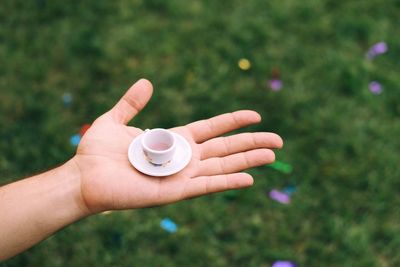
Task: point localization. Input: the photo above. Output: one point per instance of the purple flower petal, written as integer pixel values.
(283, 264)
(279, 196)
(380, 48)
(377, 49)
(275, 84)
(375, 87)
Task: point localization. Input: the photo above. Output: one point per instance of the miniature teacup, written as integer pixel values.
(158, 146)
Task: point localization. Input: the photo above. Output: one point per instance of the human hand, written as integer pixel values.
(108, 180)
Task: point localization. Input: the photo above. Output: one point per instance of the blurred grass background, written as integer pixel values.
(342, 140)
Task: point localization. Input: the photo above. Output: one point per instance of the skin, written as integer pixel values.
(100, 177)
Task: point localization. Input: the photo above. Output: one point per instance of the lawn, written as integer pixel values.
(341, 139)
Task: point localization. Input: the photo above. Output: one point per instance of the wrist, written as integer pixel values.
(36, 207)
(73, 187)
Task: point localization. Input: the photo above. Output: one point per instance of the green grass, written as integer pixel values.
(342, 141)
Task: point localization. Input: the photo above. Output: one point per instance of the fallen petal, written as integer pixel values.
(244, 64)
(275, 84)
(375, 87)
(281, 166)
(67, 99)
(377, 49)
(75, 139)
(84, 128)
(283, 264)
(289, 190)
(279, 196)
(168, 225)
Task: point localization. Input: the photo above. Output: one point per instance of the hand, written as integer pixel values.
(108, 180)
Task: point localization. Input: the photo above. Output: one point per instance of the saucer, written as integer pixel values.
(182, 156)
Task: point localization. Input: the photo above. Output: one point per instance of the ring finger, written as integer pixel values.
(236, 162)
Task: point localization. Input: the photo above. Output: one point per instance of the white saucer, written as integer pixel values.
(182, 156)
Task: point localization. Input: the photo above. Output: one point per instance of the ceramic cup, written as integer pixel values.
(158, 146)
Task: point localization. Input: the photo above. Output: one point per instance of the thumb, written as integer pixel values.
(132, 102)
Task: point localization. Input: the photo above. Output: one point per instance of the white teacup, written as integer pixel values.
(158, 146)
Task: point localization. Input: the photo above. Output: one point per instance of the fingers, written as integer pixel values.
(211, 184)
(206, 129)
(132, 102)
(223, 146)
(236, 162)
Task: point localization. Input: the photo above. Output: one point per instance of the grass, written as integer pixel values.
(341, 140)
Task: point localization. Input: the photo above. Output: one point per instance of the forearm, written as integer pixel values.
(34, 208)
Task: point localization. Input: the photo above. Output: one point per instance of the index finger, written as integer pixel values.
(205, 129)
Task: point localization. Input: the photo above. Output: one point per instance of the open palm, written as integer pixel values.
(108, 180)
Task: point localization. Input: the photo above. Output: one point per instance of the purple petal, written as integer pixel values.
(380, 48)
(275, 84)
(279, 196)
(283, 264)
(375, 87)
(377, 49)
